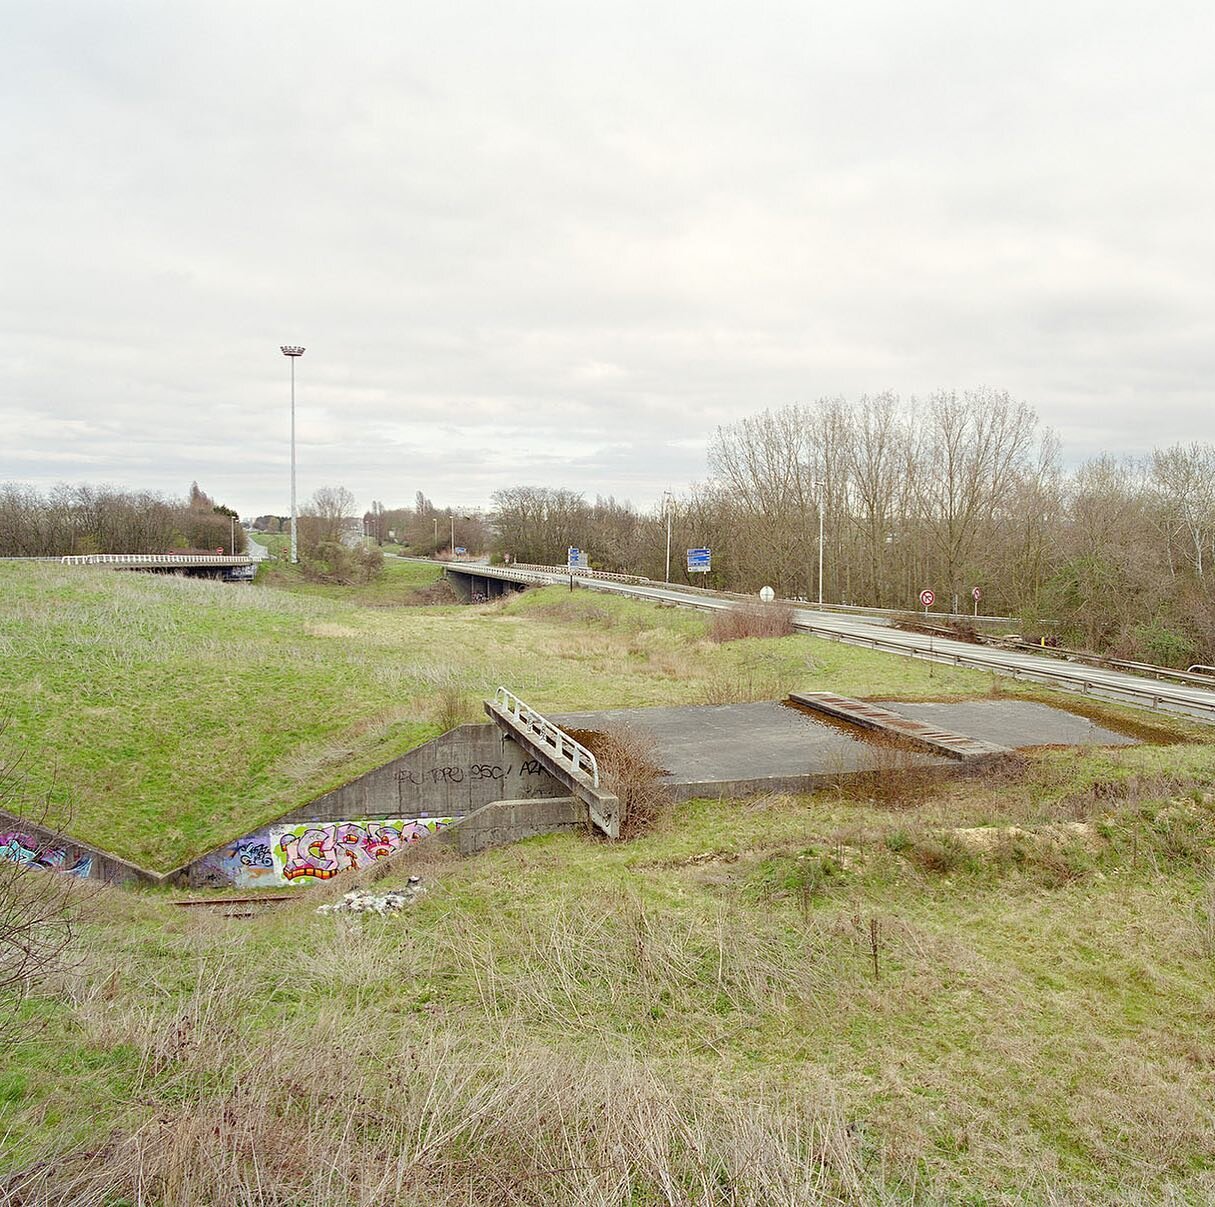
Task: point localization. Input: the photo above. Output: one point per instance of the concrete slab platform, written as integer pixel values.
(1016, 723)
(744, 748)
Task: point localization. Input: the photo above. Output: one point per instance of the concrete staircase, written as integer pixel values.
(565, 759)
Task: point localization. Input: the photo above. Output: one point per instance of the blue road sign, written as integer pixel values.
(700, 561)
(576, 559)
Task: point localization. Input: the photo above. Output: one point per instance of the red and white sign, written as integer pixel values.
(927, 598)
(219, 550)
(978, 595)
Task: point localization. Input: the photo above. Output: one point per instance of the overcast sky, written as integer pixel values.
(560, 243)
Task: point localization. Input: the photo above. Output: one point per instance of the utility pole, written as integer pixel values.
(666, 506)
(292, 352)
(822, 487)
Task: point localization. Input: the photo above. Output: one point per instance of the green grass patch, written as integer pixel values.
(1019, 1029)
(163, 715)
(398, 584)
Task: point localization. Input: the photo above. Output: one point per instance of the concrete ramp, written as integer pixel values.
(565, 758)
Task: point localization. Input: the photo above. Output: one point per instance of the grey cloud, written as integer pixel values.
(557, 243)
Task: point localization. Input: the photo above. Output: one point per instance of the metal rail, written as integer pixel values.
(154, 559)
(689, 589)
(1070, 676)
(1077, 681)
(566, 747)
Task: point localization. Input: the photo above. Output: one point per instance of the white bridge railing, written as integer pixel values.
(153, 559)
(553, 736)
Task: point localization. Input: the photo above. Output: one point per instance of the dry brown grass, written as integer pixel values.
(628, 763)
(453, 707)
(752, 620)
(451, 1126)
(353, 1105)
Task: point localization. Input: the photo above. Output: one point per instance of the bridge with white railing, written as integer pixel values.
(213, 565)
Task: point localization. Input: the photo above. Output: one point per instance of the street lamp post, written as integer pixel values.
(666, 506)
(292, 351)
(453, 534)
(821, 493)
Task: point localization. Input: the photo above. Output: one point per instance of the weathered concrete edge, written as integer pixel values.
(507, 821)
(892, 724)
(106, 867)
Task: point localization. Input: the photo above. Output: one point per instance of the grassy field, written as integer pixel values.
(988, 990)
(400, 583)
(279, 543)
(692, 1017)
(168, 714)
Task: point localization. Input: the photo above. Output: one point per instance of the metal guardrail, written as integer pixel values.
(689, 589)
(567, 747)
(1069, 676)
(154, 559)
(1200, 666)
(1074, 681)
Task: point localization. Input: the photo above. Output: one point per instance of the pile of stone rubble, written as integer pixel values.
(363, 901)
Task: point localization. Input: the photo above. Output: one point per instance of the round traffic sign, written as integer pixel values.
(978, 595)
(767, 594)
(927, 598)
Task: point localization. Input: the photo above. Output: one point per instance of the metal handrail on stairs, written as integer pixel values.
(567, 747)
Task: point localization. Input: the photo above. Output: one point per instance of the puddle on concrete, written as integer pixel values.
(850, 729)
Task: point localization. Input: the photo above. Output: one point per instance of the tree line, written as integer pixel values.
(949, 492)
(106, 519)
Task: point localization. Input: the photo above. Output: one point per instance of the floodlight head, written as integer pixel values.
(292, 350)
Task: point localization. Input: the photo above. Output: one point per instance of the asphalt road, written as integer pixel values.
(1108, 684)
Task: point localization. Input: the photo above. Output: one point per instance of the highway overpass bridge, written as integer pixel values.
(199, 565)
(1158, 688)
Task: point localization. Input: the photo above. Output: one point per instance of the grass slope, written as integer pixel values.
(692, 1017)
(167, 714)
(398, 584)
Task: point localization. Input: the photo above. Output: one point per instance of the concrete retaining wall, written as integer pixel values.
(24, 842)
(507, 821)
(466, 768)
(454, 775)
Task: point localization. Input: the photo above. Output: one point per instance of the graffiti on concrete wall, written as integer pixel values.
(319, 850)
(526, 771)
(246, 863)
(32, 852)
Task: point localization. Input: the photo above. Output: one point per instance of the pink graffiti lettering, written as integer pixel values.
(309, 854)
(324, 849)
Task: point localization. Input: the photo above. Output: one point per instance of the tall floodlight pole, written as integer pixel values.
(453, 534)
(666, 506)
(291, 351)
(822, 490)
